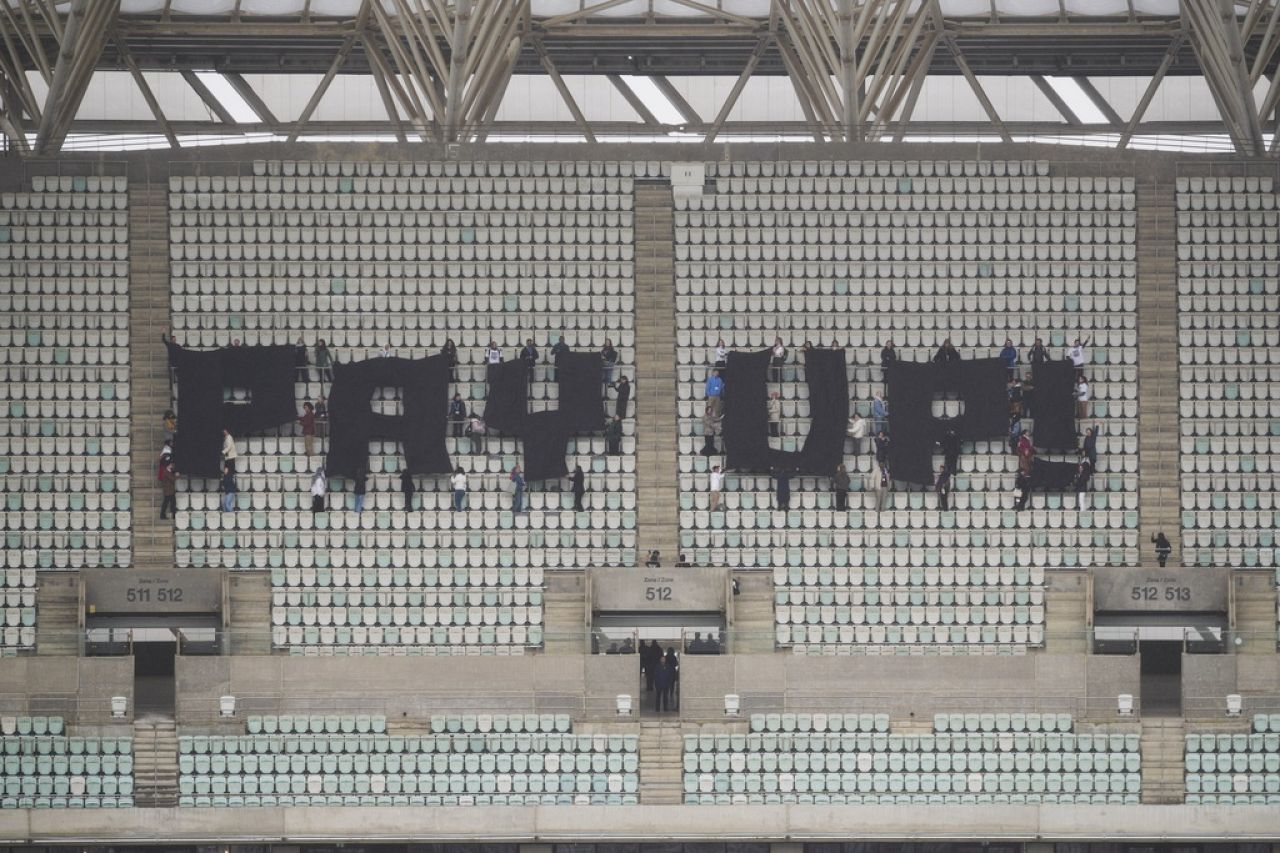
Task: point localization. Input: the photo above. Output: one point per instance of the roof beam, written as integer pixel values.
(80, 48)
(672, 94)
(646, 115)
(565, 94)
(734, 93)
(1145, 101)
(1103, 105)
(210, 100)
(327, 79)
(987, 106)
(147, 94)
(1215, 36)
(259, 106)
(1054, 98)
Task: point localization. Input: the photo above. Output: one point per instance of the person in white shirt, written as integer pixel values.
(458, 482)
(1076, 353)
(777, 358)
(1082, 399)
(493, 353)
(721, 354)
(385, 352)
(857, 431)
(775, 415)
(717, 486)
(228, 451)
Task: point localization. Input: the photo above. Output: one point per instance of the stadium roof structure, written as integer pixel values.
(181, 72)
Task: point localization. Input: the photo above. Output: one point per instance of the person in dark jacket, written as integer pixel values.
(457, 416)
(1022, 482)
(169, 488)
(942, 487)
(946, 354)
(409, 487)
(673, 662)
(361, 486)
(1163, 547)
(613, 436)
(228, 489)
(623, 389)
(888, 355)
(1038, 355)
(579, 487)
(1090, 445)
(608, 361)
(300, 360)
(882, 454)
(663, 680)
(323, 362)
(450, 352)
(840, 487)
(782, 477)
(951, 449)
(1010, 357)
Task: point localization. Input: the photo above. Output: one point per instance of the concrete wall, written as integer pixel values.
(597, 824)
(79, 689)
(907, 686)
(405, 686)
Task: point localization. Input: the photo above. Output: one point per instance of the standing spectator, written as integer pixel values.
(613, 436)
(228, 451)
(880, 414)
(1076, 353)
(228, 489)
(319, 486)
(517, 487)
(882, 454)
(888, 355)
(942, 487)
(322, 416)
(1028, 396)
(663, 678)
(1010, 356)
(408, 487)
(1082, 397)
(623, 389)
(1080, 483)
(840, 487)
(710, 429)
(300, 360)
(324, 362)
(170, 425)
(717, 487)
(385, 351)
(1015, 396)
(169, 490)
(673, 661)
(951, 448)
(857, 431)
(1163, 547)
(478, 432)
(450, 353)
(782, 477)
(608, 361)
(493, 353)
(558, 349)
(1015, 433)
(361, 485)
(946, 354)
(774, 406)
(654, 560)
(1026, 453)
(458, 482)
(715, 392)
(529, 355)
(1090, 446)
(777, 358)
(1022, 482)
(457, 416)
(1038, 356)
(308, 421)
(579, 487)
(720, 357)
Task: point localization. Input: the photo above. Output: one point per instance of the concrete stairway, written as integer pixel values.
(751, 631)
(661, 763)
(1254, 617)
(564, 613)
(655, 394)
(149, 381)
(155, 763)
(1162, 760)
(1066, 615)
(57, 617)
(1158, 480)
(249, 600)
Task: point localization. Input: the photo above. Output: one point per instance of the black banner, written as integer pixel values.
(1053, 405)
